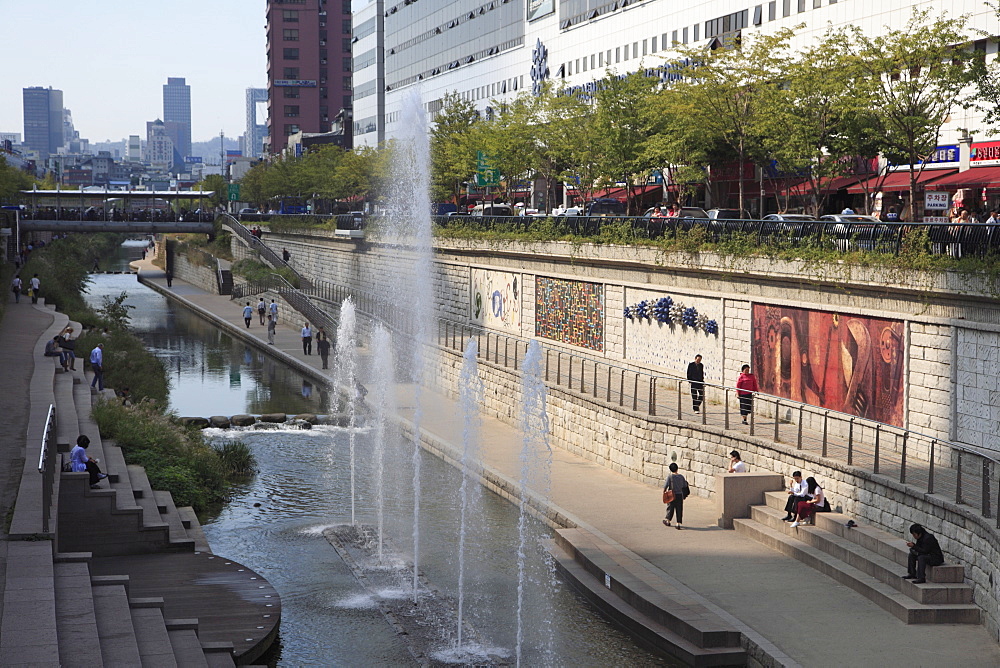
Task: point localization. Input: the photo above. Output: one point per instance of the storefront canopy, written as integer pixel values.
(977, 177)
(900, 181)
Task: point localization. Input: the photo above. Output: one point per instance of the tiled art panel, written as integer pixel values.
(495, 300)
(672, 345)
(570, 312)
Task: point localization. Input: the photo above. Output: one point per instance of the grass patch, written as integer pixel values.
(253, 270)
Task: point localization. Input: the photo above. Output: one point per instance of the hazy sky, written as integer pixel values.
(111, 58)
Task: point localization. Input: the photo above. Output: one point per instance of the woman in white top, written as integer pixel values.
(816, 502)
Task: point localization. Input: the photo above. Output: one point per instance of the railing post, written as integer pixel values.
(635, 393)
(902, 461)
(652, 395)
(608, 397)
(517, 349)
(704, 405)
(679, 400)
(726, 391)
(595, 380)
(826, 425)
(930, 470)
(487, 346)
(799, 437)
(777, 418)
(558, 367)
(986, 488)
(958, 481)
(547, 365)
(621, 389)
(752, 421)
(878, 435)
(506, 347)
(583, 374)
(850, 443)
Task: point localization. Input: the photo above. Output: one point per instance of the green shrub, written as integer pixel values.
(182, 484)
(127, 364)
(236, 458)
(255, 270)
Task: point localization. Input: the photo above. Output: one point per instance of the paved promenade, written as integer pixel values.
(798, 615)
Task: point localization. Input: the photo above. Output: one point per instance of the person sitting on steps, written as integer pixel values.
(796, 493)
(80, 462)
(924, 551)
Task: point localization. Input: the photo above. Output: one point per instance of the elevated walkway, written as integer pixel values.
(783, 610)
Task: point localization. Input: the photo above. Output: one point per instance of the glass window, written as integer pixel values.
(291, 72)
(673, 37)
(291, 54)
(290, 34)
(592, 56)
(618, 54)
(292, 92)
(802, 6)
(697, 27)
(772, 10)
(290, 15)
(626, 52)
(585, 63)
(291, 110)
(346, 27)
(600, 59)
(653, 45)
(685, 36)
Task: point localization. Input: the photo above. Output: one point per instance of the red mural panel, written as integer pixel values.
(848, 363)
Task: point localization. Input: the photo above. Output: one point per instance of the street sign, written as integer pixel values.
(234, 192)
(486, 174)
(937, 200)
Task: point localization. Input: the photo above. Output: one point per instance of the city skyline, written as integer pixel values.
(112, 63)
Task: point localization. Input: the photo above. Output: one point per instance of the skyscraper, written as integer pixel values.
(309, 66)
(177, 117)
(256, 130)
(43, 119)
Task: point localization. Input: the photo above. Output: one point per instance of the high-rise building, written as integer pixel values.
(134, 149)
(309, 66)
(177, 117)
(256, 130)
(159, 153)
(43, 120)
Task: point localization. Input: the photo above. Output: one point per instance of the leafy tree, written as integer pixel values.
(914, 76)
(360, 172)
(564, 125)
(509, 139)
(218, 186)
(12, 180)
(453, 154)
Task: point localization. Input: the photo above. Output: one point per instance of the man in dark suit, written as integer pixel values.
(924, 552)
(696, 374)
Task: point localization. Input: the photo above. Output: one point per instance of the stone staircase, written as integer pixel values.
(56, 611)
(868, 560)
(635, 594)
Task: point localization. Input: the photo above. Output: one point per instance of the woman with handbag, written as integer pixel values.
(675, 490)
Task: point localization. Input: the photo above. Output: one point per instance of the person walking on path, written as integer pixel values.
(679, 486)
(15, 287)
(270, 330)
(36, 287)
(274, 312)
(696, 374)
(247, 314)
(285, 255)
(170, 278)
(261, 310)
(97, 363)
(746, 385)
(323, 347)
(80, 462)
(307, 339)
(736, 465)
(924, 551)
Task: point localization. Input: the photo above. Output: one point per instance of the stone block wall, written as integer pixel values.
(195, 272)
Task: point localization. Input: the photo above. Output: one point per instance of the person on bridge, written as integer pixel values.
(15, 287)
(270, 329)
(247, 314)
(80, 462)
(97, 363)
(36, 286)
(696, 374)
(274, 312)
(746, 385)
(307, 339)
(261, 310)
(924, 551)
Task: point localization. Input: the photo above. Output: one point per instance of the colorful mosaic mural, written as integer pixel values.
(570, 312)
(495, 300)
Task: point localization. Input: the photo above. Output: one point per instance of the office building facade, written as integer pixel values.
(308, 66)
(493, 50)
(256, 132)
(177, 118)
(43, 120)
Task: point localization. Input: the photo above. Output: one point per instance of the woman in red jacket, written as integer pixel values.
(746, 385)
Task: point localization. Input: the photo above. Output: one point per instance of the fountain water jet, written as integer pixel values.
(407, 224)
(470, 397)
(384, 409)
(346, 361)
(536, 466)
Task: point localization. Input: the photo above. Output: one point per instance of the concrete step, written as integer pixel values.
(865, 560)
(875, 540)
(28, 631)
(67, 425)
(142, 491)
(193, 528)
(183, 634)
(76, 619)
(112, 460)
(638, 624)
(169, 514)
(151, 633)
(219, 654)
(114, 622)
(901, 606)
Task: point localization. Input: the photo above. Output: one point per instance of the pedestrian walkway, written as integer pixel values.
(795, 613)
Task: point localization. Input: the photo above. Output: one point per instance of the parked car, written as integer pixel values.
(492, 210)
(728, 214)
(247, 210)
(857, 232)
(789, 217)
(605, 206)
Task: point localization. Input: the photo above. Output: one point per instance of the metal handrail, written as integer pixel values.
(265, 251)
(47, 471)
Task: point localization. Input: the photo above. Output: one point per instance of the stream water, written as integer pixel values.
(274, 522)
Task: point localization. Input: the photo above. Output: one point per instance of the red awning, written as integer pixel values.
(900, 181)
(621, 195)
(783, 187)
(977, 177)
(840, 183)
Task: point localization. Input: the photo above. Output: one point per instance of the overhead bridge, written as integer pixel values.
(125, 226)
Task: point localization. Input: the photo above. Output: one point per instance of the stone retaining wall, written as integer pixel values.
(195, 272)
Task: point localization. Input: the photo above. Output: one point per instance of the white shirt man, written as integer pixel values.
(798, 490)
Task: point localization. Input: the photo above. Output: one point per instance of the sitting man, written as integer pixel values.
(52, 349)
(924, 552)
(796, 492)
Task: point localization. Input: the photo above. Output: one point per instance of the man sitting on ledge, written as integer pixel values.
(924, 552)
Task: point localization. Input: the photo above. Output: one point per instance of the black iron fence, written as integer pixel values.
(257, 245)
